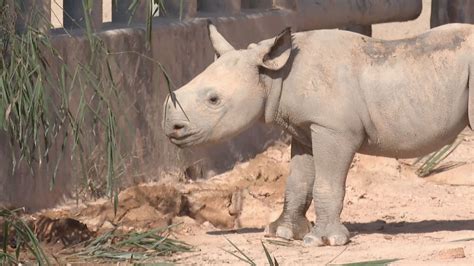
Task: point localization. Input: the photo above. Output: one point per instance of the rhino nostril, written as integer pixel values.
(177, 127)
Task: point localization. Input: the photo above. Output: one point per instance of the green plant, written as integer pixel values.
(132, 246)
(47, 105)
(243, 257)
(432, 160)
(463, 239)
(14, 227)
(50, 110)
(369, 263)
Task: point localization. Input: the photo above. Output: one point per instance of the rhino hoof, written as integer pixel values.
(288, 231)
(332, 235)
(338, 240)
(313, 240)
(284, 232)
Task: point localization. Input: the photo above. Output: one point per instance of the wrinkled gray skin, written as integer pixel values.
(336, 93)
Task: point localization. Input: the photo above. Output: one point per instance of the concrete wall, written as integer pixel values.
(451, 11)
(183, 48)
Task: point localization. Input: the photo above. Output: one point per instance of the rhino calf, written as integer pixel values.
(336, 93)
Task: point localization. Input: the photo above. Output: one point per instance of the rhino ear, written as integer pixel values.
(278, 53)
(220, 44)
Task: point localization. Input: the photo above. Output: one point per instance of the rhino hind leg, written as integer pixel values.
(292, 223)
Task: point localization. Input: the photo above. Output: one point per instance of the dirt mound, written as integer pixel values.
(139, 206)
(240, 198)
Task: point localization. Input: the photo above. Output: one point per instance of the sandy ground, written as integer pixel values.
(392, 213)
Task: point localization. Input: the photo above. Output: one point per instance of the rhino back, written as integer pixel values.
(410, 96)
(416, 90)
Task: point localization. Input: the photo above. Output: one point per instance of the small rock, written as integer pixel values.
(409, 162)
(452, 253)
(389, 217)
(254, 212)
(208, 226)
(244, 165)
(184, 220)
(275, 154)
(107, 226)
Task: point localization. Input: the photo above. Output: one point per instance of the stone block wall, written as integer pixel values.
(181, 45)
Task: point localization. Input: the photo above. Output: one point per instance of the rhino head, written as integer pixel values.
(229, 95)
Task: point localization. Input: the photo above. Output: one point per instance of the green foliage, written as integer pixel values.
(131, 246)
(369, 263)
(23, 236)
(243, 257)
(283, 243)
(49, 107)
(464, 240)
(272, 262)
(432, 160)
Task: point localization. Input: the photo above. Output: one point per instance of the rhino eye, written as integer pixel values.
(214, 100)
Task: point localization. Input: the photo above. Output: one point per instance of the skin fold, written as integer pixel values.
(337, 93)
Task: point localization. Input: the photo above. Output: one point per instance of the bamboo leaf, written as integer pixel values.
(6, 228)
(267, 254)
(463, 240)
(369, 263)
(249, 260)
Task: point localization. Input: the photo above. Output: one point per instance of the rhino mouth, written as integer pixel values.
(190, 139)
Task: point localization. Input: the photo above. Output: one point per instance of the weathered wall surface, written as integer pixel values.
(452, 11)
(184, 49)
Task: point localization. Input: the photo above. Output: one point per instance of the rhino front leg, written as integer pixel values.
(333, 153)
(292, 223)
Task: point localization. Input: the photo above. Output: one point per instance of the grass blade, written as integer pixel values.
(436, 158)
(248, 259)
(6, 227)
(267, 254)
(463, 240)
(136, 246)
(279, 242)
(369, 263)
(237, 256)
(24, 236)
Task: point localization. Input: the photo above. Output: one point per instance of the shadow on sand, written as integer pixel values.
(382, 227)
(429, 226)
(236, 231)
